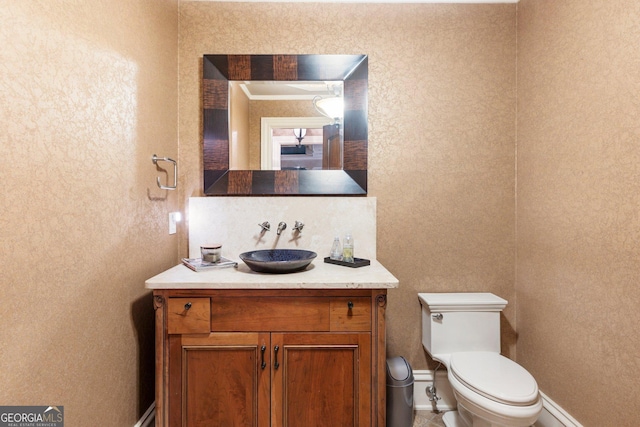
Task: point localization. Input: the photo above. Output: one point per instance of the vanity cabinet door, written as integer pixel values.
(323, 362)
(223, 380)
(321, 379)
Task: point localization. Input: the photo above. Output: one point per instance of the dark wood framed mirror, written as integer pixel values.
(218, 70)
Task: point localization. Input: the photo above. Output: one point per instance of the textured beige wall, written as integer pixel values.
(578, 202)
(441, 132)
(88, 93)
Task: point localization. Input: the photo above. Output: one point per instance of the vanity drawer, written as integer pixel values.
(188, 315)
(270, 314)
(350, 314)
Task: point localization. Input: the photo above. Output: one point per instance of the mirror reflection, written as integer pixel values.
(346, 142)
(286, 125)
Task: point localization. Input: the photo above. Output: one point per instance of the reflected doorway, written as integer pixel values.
(321, 143)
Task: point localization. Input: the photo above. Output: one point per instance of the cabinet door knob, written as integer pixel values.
(276, 365)
(187, 306)
(350, 305)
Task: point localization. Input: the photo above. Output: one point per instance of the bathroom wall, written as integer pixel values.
(441, 133)
(578, 197)
(88, 93)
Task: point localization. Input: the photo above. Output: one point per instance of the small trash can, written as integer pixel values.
(399, 393)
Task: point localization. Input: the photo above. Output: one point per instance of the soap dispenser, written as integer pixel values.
(347, 248)
(336, 250)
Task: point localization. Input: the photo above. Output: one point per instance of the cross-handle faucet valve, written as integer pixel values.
(298, 226)
(265, 226)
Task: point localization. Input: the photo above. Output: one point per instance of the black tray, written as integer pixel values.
(357, 262)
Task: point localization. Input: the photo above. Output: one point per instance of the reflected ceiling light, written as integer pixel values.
(332, 107)
(299, 134)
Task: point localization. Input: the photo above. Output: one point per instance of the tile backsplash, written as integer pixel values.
(234, 223)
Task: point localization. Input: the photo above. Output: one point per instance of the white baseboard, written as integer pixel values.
(422, 380)
(552, 414)
(148, 417)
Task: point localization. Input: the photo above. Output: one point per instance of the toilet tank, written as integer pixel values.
(456, 322)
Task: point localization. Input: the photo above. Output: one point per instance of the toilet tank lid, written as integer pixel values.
(462, 301)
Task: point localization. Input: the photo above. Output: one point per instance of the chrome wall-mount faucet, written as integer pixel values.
(281, 227)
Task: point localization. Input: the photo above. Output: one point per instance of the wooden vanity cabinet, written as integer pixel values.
(265, 358)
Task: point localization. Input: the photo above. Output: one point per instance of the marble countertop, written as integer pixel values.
(319, 275)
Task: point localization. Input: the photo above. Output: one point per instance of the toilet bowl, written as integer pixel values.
(462, 331)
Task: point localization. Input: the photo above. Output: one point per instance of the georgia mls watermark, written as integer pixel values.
(31, 416)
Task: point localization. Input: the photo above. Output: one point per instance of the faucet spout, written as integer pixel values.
(281, 227)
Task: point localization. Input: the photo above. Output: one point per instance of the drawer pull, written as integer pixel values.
(187, 306)
(276, 365)
(350, 305)
(262, 349)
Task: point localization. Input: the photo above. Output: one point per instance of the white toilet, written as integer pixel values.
(462, 330)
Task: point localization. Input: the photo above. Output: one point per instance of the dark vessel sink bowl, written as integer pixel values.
(278, 261)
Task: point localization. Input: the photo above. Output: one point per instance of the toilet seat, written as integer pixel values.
(495, 377)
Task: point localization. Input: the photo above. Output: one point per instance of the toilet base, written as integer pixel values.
(453, 419)
(463, 418)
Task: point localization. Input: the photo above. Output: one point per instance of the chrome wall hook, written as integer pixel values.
(155, 159)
